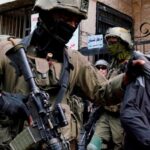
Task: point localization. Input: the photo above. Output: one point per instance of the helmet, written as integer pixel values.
(120, 32)
(79, 7)
(102, 62)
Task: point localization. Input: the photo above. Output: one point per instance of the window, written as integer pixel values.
(16, 22)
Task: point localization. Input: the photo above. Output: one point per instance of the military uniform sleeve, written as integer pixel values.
(111, 92)
(5, 45)
(9, 81)
(95, 86)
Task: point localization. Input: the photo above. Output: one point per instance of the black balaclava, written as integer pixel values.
(51, 36)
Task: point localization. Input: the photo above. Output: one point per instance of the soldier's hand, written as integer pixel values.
(13, 105)
(135, 68)
(139, 64)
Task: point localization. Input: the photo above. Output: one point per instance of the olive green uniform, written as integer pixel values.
(109, 127)
(47, 73)
(9, 82)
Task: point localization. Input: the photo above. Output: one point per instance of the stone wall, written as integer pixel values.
(141, 15)
(88, 26)
(124, 6)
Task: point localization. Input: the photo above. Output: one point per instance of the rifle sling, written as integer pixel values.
(64, 80)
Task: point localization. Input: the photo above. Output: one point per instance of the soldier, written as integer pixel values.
(47, 53)
(102, 66)
(108, 127)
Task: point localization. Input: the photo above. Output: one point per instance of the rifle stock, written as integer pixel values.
(46, 120)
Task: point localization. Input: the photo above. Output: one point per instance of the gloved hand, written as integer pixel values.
(134, 69)
(139, 65)
(13, 105)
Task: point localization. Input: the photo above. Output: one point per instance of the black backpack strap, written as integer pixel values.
(64, 80)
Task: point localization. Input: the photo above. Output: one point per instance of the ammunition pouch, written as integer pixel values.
(41, 72)
(45, 76)
(74, 113)
(70, 131)
(77, 106)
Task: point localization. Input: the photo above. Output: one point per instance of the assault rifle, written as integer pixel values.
(88, 129)
(46, 120)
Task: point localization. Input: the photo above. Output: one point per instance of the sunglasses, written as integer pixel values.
(101, 67)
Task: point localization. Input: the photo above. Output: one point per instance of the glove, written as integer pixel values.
(95, 143)
(139, 65)
(13, 105)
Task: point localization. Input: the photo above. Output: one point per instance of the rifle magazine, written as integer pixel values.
(25, 139)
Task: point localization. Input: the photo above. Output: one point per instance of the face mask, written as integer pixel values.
(62, 32)
(53, 38)
(45, 43)
(57, 29)
(119, 51)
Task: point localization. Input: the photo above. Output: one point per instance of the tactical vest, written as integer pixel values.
(50, 76)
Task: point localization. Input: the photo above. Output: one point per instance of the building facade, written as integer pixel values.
(15, 19)
(134, 15)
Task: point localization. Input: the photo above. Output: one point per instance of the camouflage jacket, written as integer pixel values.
(115, 69)
(83, 74)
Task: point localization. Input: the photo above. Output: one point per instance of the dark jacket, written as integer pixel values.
(135, 115)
